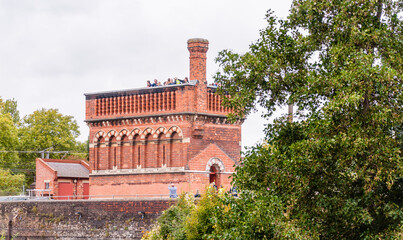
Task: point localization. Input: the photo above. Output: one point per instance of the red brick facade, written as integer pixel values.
(141, 140)
(50, 183)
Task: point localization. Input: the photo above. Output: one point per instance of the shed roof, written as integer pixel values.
(74, 170)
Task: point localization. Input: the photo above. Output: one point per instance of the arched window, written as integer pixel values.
(100, 161)
(112, 153)
(175, 151)
(148, 151)
(136, 151)
(125, 152)
(162, 150)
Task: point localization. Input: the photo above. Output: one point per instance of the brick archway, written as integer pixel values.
(110, 134)
(98, 135)
(174, 129)
(215, 161)
(215, 167)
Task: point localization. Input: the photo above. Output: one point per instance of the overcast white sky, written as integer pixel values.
(52, 52)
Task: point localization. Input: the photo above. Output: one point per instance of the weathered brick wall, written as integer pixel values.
(149, 184)
(118, 219)
(44, 173)
(227, 137)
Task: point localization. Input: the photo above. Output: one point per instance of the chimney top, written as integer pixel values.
(197, 48)
(198, 40)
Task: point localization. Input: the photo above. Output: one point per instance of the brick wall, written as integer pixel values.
(45, 173)
(152, 184)
(160, 128)
(227, 137)
(118, 219)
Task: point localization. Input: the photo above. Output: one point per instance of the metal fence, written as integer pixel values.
(101, 197)
(82, 197)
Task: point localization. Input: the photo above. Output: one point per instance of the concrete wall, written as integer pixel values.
(81, 219)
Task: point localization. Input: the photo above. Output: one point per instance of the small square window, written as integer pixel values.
(46, 185)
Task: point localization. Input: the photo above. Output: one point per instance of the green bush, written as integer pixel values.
(189, 219)
(10, 184)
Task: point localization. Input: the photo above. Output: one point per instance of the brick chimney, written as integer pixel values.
(198, 48)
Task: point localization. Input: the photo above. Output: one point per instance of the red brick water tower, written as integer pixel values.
(142, 140)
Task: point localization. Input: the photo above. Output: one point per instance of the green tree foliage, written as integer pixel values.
(8, 135)
(201, 221)
(80, 151)
(21, 139)
(336, 173)
(10, 107)
(10, 183)
(171, 224)
(47, 129)
(218, 215)
(190, 218)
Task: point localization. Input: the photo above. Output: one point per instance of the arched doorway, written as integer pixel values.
(214, 178)
(215, 167)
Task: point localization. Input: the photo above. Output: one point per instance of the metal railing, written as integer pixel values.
(108, 197)
(82, 197)
(46, 194)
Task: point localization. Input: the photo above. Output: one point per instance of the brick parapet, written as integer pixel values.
(135, 104)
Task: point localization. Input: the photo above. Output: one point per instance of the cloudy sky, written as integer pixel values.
(52, 52)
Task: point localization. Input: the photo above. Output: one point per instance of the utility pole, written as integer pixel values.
(10, 229)
(290, 112)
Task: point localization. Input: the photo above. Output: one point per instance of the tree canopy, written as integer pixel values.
(335, 172)
(8, 141)
(47, 128)
(22, 139)
(10, 184)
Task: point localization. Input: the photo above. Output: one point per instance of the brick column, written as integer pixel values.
(93, 156)
(197, 70)
(142, 154)
(197, 48)
(119, 150)
(108, 155)
(131, 153)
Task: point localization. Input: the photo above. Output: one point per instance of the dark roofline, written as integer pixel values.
(137, 90)
(73, 161)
